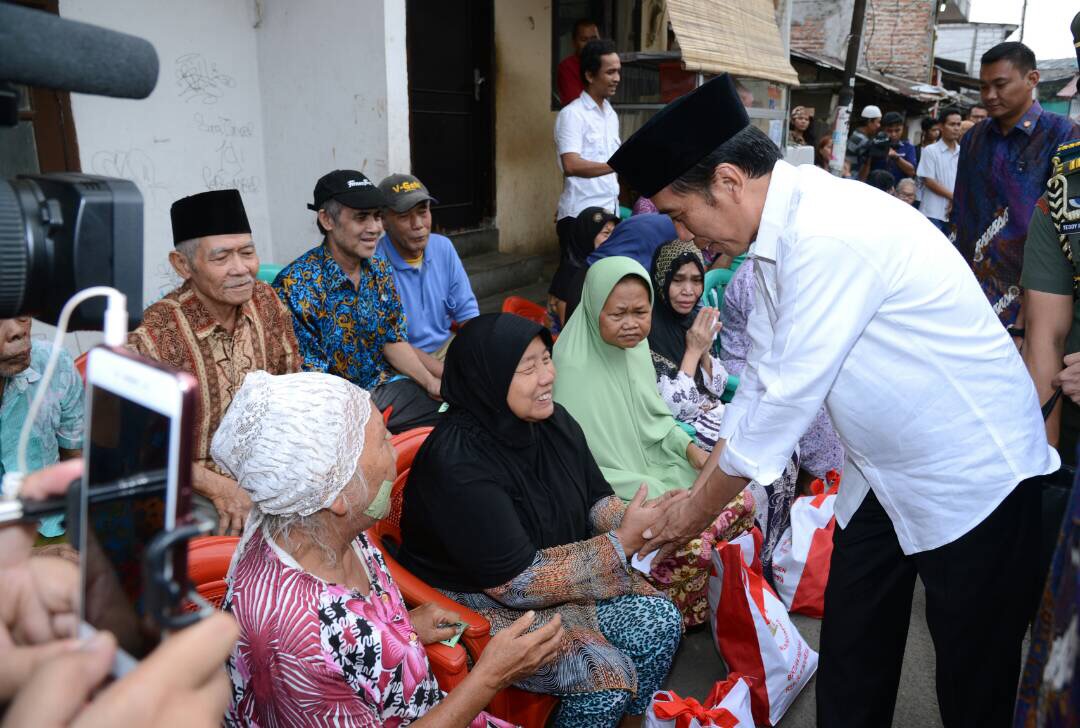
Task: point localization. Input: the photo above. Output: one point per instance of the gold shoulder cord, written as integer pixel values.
(1057, 197)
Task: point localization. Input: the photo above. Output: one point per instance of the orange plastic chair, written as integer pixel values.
(520, 707)
(208, 563)
(80, 364)
(407, 443)
(525, 308)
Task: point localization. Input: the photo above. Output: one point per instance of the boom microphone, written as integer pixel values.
(41, 49)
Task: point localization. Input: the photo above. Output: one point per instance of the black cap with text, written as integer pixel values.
(350, 188)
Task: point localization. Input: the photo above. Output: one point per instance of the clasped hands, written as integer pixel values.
(667, 522)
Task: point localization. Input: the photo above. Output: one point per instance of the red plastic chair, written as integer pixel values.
(520, 707)
(525, 308)
(208, 563)
(80, 364)
(407, 443)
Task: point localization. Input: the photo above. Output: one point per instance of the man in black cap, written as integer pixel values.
(220, 324)
(884, 324)
(347, 314)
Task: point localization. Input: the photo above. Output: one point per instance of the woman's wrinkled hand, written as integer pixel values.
(700, 336)
(514, 653)
(432, 623)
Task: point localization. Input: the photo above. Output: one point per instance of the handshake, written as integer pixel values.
(49, 678)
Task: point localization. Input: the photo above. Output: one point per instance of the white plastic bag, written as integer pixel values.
(802, 555)
(728, 706)
(753, 632)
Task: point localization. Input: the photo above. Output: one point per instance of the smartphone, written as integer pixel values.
(136, 485)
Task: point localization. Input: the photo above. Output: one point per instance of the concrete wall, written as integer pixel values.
(327, 103)
(527, 179)
(200, 129)
(262, 96)
(966, 42)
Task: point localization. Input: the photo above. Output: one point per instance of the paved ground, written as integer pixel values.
(697, 666)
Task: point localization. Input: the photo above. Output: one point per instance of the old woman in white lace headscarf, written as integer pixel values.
(325, 637)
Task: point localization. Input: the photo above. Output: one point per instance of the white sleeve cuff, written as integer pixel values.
(733, 462)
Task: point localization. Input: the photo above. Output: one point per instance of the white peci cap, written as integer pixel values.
(871, 112)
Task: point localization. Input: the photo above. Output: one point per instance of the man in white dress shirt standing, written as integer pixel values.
(586, 134)
(863, 306)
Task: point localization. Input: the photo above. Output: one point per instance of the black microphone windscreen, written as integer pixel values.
(41, 49)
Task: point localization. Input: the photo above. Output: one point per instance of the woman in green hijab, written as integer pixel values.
(607, 382)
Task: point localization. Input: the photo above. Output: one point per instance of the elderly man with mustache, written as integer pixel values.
(220, 324)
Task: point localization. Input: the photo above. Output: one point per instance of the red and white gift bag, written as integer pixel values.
(802, 555)
(728, 706)
(753, 632)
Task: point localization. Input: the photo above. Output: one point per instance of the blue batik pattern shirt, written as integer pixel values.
(998, 181)
(341, 328)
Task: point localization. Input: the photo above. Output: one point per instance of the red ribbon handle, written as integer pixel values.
(684, 710)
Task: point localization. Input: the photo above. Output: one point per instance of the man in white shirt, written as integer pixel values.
(937, 171)
(586, 134)
(863, 306)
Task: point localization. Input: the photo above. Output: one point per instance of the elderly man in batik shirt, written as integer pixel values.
(347, 314)
(220, 324)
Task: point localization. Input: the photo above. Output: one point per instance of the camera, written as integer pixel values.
(879, 146)
(61, 233)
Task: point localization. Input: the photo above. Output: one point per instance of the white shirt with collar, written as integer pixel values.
(939, 164)
(863, 304)
(592, 131)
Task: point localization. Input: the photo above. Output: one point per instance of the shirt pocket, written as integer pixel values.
(593, 147)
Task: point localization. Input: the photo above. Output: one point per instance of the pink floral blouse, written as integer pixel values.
(312, 653)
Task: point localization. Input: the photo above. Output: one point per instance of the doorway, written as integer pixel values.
(451, 107)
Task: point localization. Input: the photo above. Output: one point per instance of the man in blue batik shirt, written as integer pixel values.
(347, 314)
(1003, 167)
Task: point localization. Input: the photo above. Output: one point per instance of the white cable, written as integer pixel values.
(115, 335)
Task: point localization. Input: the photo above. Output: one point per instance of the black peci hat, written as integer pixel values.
(218, 212)
(680, 135)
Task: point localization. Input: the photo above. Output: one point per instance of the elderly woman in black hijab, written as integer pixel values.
(591, 228)
(505, 511)
(691, 378)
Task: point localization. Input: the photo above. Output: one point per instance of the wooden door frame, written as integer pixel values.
(50, 113)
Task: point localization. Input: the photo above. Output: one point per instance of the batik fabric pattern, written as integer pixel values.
(569, 580)
(312, 653)
(180, 331)
(998, 180)
(683, 577)
(648, 631)
(1049, 694)
(696, 405)
(342, 328)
